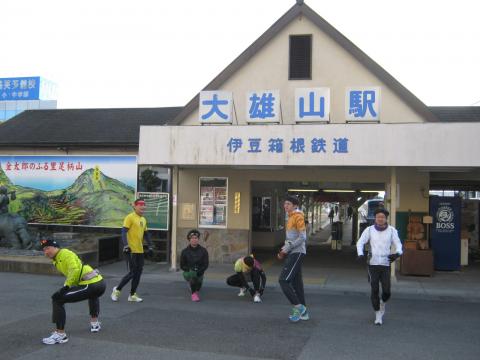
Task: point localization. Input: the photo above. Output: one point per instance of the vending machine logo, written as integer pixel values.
(445, 217)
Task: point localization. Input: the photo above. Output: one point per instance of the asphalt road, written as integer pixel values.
(167, 325)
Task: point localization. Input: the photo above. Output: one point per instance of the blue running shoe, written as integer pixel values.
(305, 316)
(297, 313)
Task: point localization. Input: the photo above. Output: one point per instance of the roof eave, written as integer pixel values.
(68, 144)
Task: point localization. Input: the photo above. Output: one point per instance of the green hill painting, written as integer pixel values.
(93, 199)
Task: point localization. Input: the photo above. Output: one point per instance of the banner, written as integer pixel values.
(69, 190)
(445, 232)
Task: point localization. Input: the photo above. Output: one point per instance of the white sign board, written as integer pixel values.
(263, 106)
(312, 104)
(418, 144)
(362, 104)
(215, 107)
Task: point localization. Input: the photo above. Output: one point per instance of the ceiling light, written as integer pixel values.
(302, 190)
(334, 190)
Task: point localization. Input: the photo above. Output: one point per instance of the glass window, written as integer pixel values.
(261, 213)
(213, 202)
(153, 179)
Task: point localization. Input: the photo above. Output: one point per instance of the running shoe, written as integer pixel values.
(95, 326)
(115, 294)
(195, 297)
(55, 338)
(134, 298)
(297, 313)
(305, 315)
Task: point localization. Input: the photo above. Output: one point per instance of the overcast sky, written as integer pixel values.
(141, 53)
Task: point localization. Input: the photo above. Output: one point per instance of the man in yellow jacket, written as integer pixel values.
(82, 282)
(134, 231)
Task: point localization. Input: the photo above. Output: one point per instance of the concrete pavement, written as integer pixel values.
(336, 272)
(167, 325)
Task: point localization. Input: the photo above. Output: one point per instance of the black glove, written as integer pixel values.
(361, 258)
(150, 252)
(393, 257)
(126, 249)
(59, 293)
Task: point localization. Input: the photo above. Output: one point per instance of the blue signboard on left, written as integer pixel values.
(20, 88)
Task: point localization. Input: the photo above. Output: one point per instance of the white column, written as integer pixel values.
(393, 209)
(173, 259)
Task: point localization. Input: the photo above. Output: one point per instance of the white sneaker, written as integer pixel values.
(55, 338)
(134, 298)
(242, 292)
(115, 294)
(378, 318)
(382, 307)
(257, 299)
(95, 326)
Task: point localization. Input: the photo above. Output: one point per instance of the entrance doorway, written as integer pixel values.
(333, 214)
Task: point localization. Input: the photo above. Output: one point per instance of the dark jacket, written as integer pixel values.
(194, 258)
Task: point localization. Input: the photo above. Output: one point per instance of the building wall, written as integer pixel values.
(413, 186)
(332, 67)
(226, 245)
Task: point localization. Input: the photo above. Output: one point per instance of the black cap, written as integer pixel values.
(193, 232)
(381, 210)
(292, 199)
(44, 242)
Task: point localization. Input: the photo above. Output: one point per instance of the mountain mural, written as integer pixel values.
(94, 199)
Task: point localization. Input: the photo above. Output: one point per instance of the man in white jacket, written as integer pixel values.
(381, 236)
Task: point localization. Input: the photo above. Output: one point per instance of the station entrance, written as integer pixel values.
(335, 215)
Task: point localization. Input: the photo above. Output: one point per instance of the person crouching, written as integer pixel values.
(249, 266)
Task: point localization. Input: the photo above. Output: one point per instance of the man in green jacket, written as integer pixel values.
(82, 282)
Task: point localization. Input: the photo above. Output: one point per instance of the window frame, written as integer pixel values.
(290, 56)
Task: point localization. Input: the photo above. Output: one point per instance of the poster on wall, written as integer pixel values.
(157, 209)
(213, 202)
(70, 190)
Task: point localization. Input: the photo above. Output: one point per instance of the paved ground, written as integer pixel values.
(167, 325)
(427, 318)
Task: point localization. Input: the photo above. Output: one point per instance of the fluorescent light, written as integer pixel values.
(346, 191)
(302, 190)
(351, 191)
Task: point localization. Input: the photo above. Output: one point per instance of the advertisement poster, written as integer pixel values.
(445, 232)
(69, 190)
(157, 209)
(213, 202)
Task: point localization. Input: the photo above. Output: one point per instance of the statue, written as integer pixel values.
(4, 199)
(13, 227)
(416, 232)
